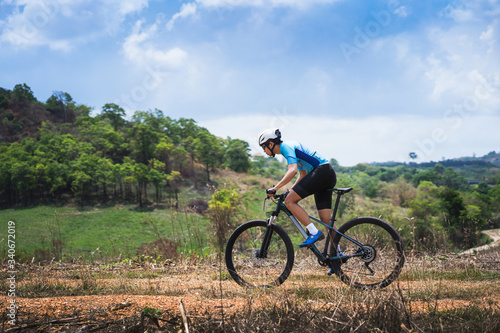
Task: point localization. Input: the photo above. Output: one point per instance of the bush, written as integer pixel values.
(401, 192)
(222, 206)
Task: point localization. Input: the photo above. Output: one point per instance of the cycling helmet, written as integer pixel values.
(270, 135)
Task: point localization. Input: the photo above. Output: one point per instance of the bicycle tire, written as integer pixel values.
(243, 249)
(386, 253)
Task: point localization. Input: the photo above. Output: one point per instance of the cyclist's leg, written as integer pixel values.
(305, 187)
(325, 215)
(323, 201)
(323, 197)
(292, 203)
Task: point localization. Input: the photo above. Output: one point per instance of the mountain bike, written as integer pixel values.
(259, 253)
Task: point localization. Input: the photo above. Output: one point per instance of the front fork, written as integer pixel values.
(262, 252)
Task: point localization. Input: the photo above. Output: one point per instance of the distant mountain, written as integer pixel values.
(492, 159)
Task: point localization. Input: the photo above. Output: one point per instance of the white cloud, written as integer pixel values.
(62, 24)
(460, 14)
(262, 3)
(465, 11)
(130, 6)
(446, 63)
(187, 9)
(140, 48)
(488, 34)
(372, 139)
(190, 9)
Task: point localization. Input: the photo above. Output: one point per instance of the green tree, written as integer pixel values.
(6, 186)
(463, 221)
(127, 176)
(23, 177)
(144, 143)
(369, 185)
(180, 159)
(236, 155)
(174, 180)
(23, 94)
(426, 175)
(62, 106)
(426, 204)
(4, 102)
(80, 184)
(58, 175)
(453, 179)
(208, 150)
(163, 151)
(186, 128)
(84, 175)
(103, 175)
(115, 114)
(453, 205)
(157, 177)
(388, 175)
(102, 136)
(141, 180)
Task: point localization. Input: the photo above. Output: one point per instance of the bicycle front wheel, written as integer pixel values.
(258, 255)
(383, 260)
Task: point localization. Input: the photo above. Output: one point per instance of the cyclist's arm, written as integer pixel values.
(302, 174)
(292, 171)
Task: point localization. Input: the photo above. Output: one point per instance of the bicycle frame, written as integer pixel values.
(322, 256)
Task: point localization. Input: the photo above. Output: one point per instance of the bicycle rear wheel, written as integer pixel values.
(259, 256)
(384, 259)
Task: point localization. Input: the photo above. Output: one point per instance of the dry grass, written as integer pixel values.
(443, 293)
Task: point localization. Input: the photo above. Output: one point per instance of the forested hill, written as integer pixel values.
(492, 159)
(56, 149)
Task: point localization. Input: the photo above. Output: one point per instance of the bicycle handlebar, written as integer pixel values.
(279, 197)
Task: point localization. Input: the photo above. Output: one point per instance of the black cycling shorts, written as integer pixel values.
(318, 182)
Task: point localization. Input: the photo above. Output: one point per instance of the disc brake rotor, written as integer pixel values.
(370, 255)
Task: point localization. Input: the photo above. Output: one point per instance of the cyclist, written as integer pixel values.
(316, 176)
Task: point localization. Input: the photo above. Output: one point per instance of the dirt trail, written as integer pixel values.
(67, 297)
(494, 234)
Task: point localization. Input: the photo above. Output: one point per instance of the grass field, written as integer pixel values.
(109, 232)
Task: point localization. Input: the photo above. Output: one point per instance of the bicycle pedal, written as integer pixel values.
(330, 272)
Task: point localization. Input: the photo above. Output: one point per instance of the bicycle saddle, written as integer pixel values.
(341, 190)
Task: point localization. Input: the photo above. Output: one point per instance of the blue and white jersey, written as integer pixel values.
(306, 159)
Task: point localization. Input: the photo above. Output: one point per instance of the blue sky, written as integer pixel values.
(360, 81)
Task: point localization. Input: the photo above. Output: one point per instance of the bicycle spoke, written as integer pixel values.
(382, 257)
(251, 263)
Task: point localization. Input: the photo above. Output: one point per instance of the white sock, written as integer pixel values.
(312, 229)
